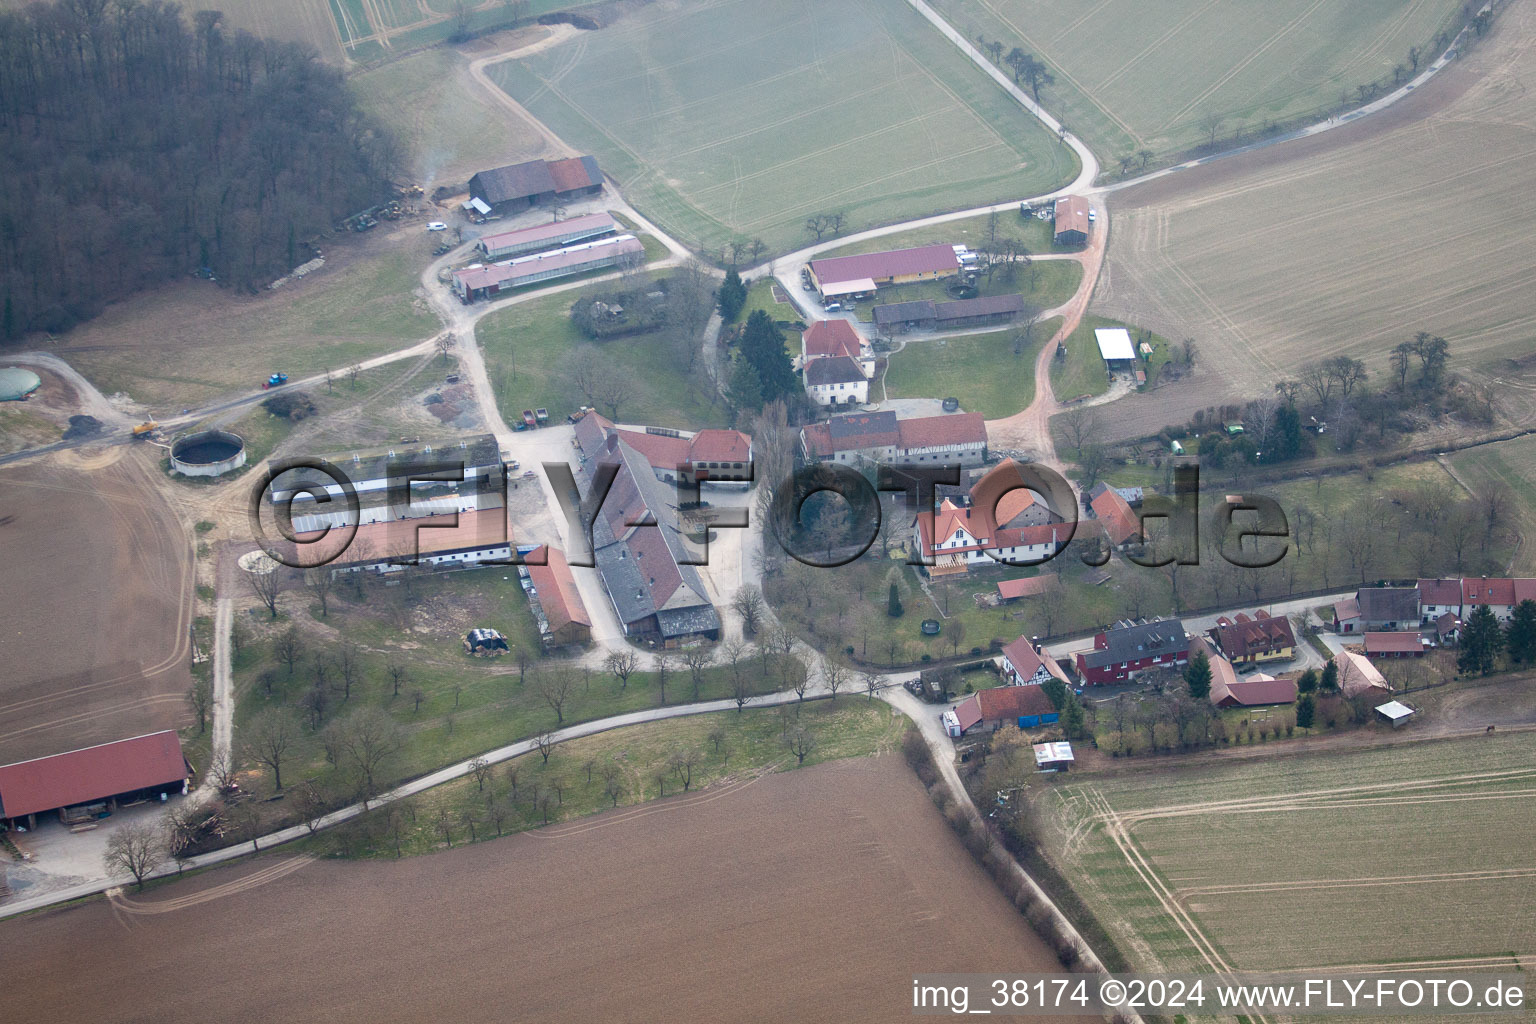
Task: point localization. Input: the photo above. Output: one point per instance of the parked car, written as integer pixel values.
(833, 307)
(437, 225)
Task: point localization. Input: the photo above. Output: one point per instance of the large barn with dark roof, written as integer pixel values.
(518, 186)
(657, 595)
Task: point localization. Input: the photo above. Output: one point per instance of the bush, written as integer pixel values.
(291, 405)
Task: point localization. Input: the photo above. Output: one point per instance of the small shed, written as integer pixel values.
(1053, 757)
(1072, 223)
(1395, 711)
(485, 643)
(1115, 349)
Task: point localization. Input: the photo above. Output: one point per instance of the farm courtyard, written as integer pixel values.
(790, 110)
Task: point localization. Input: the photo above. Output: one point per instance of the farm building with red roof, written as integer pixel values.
(951, 439)
(897, 266)
(1013, 590)
(1026, 663)
(1394, 645)
(1110, 508)
(1025, 706)
(1006, 522)
(105, 773)
(1072, 223)
(563, 619)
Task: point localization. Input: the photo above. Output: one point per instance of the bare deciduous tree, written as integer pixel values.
(835, 675)
(683, 762)
(309, 804)
(800, 743)
(137, 848)
(545, 742)
(270, 737)
(1082, 427)
(697, 659)
(748, 603)
(288, 647)
(480, 768)
(622, 664)
(556, 687)
(318, 581)
(266, 586)
(200, 696)
(367, 739)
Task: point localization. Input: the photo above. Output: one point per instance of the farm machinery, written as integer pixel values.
(275, 381)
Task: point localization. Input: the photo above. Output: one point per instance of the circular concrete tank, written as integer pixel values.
(208, 453)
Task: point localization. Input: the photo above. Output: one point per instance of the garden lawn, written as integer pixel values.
(523, 345)
(979, 369)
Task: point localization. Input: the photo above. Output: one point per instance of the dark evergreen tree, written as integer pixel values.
(1197, 676)
(746, 389)
(1288, 441)
(1328, 682)
(1481, 639)
(732, 296)
(1056, 690)
(1520, 635)
(893, 606)
(1307, 681)
(1306, 711)
(1072, 719)
(762, 345)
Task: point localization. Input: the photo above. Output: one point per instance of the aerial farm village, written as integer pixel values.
(821, 492)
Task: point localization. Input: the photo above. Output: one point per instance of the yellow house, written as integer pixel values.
(1246, 639)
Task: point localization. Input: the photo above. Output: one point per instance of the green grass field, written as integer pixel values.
(468, 704)
(1364, 857)
(190, 342)
(1510, 464)
(448, 126)
(979, 369)
(524, 343)
(1132, 74)
(751, 744)
(789, 109)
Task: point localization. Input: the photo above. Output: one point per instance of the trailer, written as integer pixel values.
(542, 416)
(528, 419)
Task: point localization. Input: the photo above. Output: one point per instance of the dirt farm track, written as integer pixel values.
(810, 895)
(98, 588)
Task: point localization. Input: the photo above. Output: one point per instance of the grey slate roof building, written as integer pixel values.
(833, 370)
(656, 594)
(1139, 644)
(1388, 607)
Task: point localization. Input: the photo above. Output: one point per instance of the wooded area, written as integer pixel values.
(136, 147)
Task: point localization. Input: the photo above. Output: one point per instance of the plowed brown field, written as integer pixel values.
(98, 590)
(811, 895)
(1271, 261)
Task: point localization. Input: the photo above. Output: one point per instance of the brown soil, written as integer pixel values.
(98, 581)
(1122, 291)
(809, 896)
